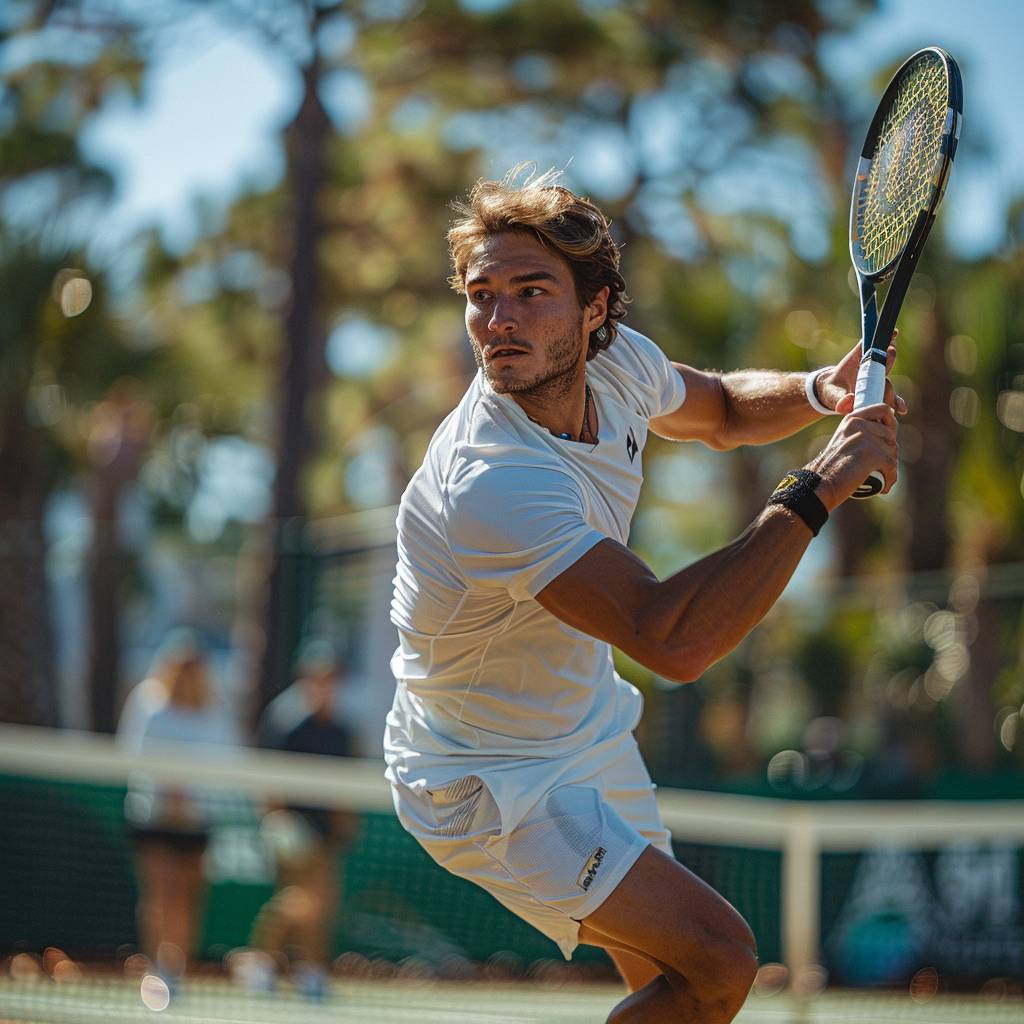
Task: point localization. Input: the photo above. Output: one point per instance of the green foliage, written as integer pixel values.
(717, 143)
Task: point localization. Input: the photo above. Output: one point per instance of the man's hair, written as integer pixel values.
(571, 226)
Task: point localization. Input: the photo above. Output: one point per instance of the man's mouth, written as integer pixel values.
(504, 352)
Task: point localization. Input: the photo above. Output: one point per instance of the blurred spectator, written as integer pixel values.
(295, 927)
(170, 826)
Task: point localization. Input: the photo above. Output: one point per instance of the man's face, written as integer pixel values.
(522, 314)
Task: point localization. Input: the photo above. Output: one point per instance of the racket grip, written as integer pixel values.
(870, 390)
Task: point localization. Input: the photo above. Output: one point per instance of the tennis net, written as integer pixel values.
(919, 898)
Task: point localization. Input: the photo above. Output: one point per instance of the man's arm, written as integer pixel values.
(725, 410)
(680, 626)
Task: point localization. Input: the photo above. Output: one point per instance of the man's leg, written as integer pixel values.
(320, 883)
(636, 970)
(703, 950)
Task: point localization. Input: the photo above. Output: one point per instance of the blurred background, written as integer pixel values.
(226, 339)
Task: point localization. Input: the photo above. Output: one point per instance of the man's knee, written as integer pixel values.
(731, 947)
(746, 937)
(712, 992)
(724, 986)
(737, 970)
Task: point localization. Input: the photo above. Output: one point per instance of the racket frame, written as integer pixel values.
(877, 327)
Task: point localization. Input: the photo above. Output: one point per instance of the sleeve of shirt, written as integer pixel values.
(661, 386)
(516, 527)
(135, 715)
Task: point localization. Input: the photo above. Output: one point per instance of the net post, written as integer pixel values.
(801, 892)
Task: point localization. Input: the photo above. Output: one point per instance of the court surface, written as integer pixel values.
(397, 1002)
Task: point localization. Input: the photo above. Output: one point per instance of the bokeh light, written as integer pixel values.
(155, 993)
(72, 291)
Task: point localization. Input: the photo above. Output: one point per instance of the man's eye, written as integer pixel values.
(480, 296)
(531, 291)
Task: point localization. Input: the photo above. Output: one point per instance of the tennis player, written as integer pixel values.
(509, 744)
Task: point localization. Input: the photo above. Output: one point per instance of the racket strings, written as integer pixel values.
(904, 165)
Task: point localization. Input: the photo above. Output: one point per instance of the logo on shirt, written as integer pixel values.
(631, 446)
(589, 872)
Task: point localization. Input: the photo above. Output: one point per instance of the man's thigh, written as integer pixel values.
(663, 912)
(636, 970)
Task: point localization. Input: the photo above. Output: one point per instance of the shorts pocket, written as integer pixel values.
(463, 809)
(560, 853)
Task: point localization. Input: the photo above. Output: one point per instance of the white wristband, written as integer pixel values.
(812, 398)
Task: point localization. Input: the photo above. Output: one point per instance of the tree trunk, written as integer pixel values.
(118, 438)
(28, 691)
(301, 367)
(975, 708)
(927, 484)
(750, 489)
(104, 586)
(853, 534)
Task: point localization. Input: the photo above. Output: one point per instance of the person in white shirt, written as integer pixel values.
(509, 745)
(170, 826)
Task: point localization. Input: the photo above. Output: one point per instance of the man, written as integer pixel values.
(509, 745)
(297, 923)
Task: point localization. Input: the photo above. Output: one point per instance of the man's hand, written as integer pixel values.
(841, 379)
(864, 441)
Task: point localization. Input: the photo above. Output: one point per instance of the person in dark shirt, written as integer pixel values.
(295, 927)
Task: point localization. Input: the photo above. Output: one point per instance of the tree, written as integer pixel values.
(695, 116)
(356, 227)
(61, 346)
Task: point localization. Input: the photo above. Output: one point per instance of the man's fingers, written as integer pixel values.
(891, 472)
(864, 441)
(886, 458)
(894, 400)
(845, 404)
(882, 436)
(890, 352)
(880, 413)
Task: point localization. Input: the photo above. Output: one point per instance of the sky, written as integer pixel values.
(210, 123)
(984, 36)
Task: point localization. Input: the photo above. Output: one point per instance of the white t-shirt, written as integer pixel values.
(487, 679)
(147, 722)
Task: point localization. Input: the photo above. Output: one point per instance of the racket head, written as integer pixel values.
(905, 161)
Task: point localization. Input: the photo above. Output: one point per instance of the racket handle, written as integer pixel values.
(870, 390)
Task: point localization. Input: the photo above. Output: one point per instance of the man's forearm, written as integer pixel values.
(764, 405)
(679, 626)
(702, 612)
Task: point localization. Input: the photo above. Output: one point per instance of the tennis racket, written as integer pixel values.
(901, 176)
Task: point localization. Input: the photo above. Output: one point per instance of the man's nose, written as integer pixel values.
(502, 317)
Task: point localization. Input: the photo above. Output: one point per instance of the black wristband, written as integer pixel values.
(796, 492)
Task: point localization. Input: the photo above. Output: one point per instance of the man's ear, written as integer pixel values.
(596, 311)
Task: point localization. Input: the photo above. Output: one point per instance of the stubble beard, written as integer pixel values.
(555, 380)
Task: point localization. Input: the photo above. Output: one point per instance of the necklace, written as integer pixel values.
(565, 435)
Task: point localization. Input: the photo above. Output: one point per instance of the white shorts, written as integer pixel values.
(566, 855)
